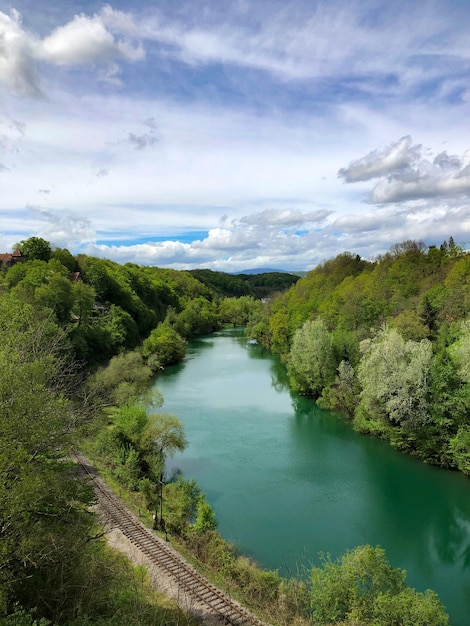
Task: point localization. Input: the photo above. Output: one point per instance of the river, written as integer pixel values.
(288, 480)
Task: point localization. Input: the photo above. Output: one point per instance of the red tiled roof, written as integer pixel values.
(5, 257)
(17, 253)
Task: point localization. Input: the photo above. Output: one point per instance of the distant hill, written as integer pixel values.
(258, 283)
(262, 270)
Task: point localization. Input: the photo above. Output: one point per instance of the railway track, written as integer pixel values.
(161, 554)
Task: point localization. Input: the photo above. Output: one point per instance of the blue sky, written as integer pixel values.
(235, 134)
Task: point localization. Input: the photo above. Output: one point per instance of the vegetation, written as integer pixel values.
(54, 565)
(386, 343)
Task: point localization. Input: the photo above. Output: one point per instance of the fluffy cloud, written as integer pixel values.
(401, 155)
(85, 40)
(82, 41)
(405, 175)
(17, 49)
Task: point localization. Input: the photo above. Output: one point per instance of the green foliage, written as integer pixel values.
(164, 346)
(180, 499)
(83, 301)
(410, 326)
(43, 520)
(394, 374)
(205, 519)
(238, 285)
(238, 311)
(266, 284)
(343, 395)
(199, 317)
(125, 380)
(35, 249)
(460, 449)
(363, 587)
(311, 366)
(279, 331)
(65, 258)
(222, 284)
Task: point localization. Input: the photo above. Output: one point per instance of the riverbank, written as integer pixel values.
(289, 480)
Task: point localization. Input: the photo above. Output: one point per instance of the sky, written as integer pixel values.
(234, 134)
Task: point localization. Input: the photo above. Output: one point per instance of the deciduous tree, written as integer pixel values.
(311, 362)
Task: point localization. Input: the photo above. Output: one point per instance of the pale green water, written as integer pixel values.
(288, 480)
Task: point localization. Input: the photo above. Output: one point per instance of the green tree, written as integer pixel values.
(363, 588)
(237, 311)
(35, 249)
(279, 327)
(66, 258)
(124, 381)
(343, 395)
(56, 294)
(164, 346)
(460, 449)
(205, 519)
(43, 520)
(83, 301)
(198, 318)
(311, 364)
(162, 439)
(394, 375)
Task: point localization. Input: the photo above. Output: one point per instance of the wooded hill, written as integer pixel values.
(386, 343)
(106, 307)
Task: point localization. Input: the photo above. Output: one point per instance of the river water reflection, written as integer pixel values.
(288, 480)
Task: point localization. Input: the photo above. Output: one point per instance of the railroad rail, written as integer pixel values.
(161, 554)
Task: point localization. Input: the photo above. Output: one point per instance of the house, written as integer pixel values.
(7, 259)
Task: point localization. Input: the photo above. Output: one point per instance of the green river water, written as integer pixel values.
(288, 480)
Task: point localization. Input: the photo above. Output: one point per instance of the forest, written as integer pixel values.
(384, 343)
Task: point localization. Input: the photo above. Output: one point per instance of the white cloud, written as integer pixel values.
(17, 65)
(82, 41)
(406, 176)
(398, 156)
(164, 121)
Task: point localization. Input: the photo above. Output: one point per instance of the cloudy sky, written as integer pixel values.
(234, 134)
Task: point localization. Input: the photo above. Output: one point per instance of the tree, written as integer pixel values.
(237, 311)
(198, 318)
(56, 294)
(66, 258)
(343, 395)
(43, 520)
(460, 449)
(125, 381)
(35, 249)
(83, 301)
(394, 374)
(164, 346)
(311, 363)
(278, 325)
(362, 587)
(205, 519)
(163, 438)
